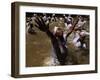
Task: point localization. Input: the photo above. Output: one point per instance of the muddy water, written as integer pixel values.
(38, 50)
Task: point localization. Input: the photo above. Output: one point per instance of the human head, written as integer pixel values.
(58, 31)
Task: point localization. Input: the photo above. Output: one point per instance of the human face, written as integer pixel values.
(59, 32)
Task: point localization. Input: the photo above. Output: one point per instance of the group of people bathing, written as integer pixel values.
(59, 35)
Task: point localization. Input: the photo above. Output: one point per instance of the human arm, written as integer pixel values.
(72, 28)
(40, 24)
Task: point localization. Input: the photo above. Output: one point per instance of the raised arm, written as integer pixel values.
(73, 26)
(40, 24)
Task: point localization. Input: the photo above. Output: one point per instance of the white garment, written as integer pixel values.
(77, 36)
(68, 26)
(65, 25)
(76, 44)
(33, 18)
(81, 23)
(69, 18)
(44, 18)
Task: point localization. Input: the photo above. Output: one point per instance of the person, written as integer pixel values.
(33, 17)
(58, 39)
(53, 18)
(69, 18)
(44, 17)
(30, 27)
(81, 23)
(80, 33)
(79, 39)
(68, 22)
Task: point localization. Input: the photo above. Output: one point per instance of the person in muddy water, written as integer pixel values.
(58, 40)
(79, 39)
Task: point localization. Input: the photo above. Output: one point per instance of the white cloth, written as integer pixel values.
(76, 44)
(68, 26)
(55, 30)
(81, 23)
(77, 36)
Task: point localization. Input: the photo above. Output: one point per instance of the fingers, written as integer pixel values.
(38, 22)
(42, 21)
(36, 25)
(41, 24)
(44, 24)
